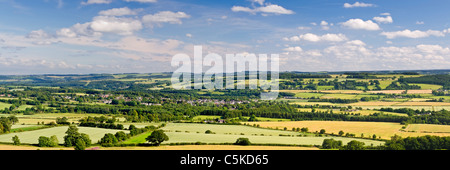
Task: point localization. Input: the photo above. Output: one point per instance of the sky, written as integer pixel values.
(142, 36)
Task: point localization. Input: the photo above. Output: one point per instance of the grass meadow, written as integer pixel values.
(31, 137)
(191, 133)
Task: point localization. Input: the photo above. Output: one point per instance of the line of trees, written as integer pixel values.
(418, 143)
(396, 143)
(439, 79)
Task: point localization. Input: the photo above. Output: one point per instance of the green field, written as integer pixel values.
(209, 117)
(175, 137)
(428, 86)
(19, 128)
(191, 133)
(308, 95)
(4, 105)
(31, 137)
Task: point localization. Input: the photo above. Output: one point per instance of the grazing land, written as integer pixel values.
(31, 137)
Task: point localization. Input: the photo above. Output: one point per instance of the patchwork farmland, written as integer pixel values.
(310, 109)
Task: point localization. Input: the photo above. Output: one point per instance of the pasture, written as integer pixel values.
(191, 133)
(31, 137)
(51, 117)
(4, 105)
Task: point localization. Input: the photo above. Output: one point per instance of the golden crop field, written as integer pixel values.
(428, 128)
(423, 104)
(342, 91)
(388, 91)
(362, 112)
(420, 92)
(374, 103)
(384, 130)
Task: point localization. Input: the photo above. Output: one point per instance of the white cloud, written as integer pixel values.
(189, 35)
(66, 32)
(433, 49)
(420, 22)
(111, 24)
(40, 37)
(356, 42)
(142, 1)
(316, 38)
(78, 30)
(446, 31)
(260, 2)
(118, 12)
(89, 2)
(293, 49)
(304, 28)
(413, 34)
(384, 20)
(324, 25)
(348, 51)
(275, 9)
(242, 9)
(361, 24)
(358, 4)
(164, 17)
(264, 9)
(354, 55)
(422, 55)
(38, 34)
(385, 14)
(100, 25)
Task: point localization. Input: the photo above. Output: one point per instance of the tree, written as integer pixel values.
(331, 144)
(48, 142)
(157, 137)
(252, 118)
(5, 125)
(80, 144)
(62, 121)
(322, 131)
(115, 101)
(354, 145)
(304, 130)
(243, 141)
(44, 141)
(108, 140)
(341, 133)
(54, 141)
(73, 138)
(121, 136)
(85, 138)
(13, 119)
(16, 140)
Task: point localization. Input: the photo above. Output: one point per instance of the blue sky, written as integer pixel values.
(117, 36)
